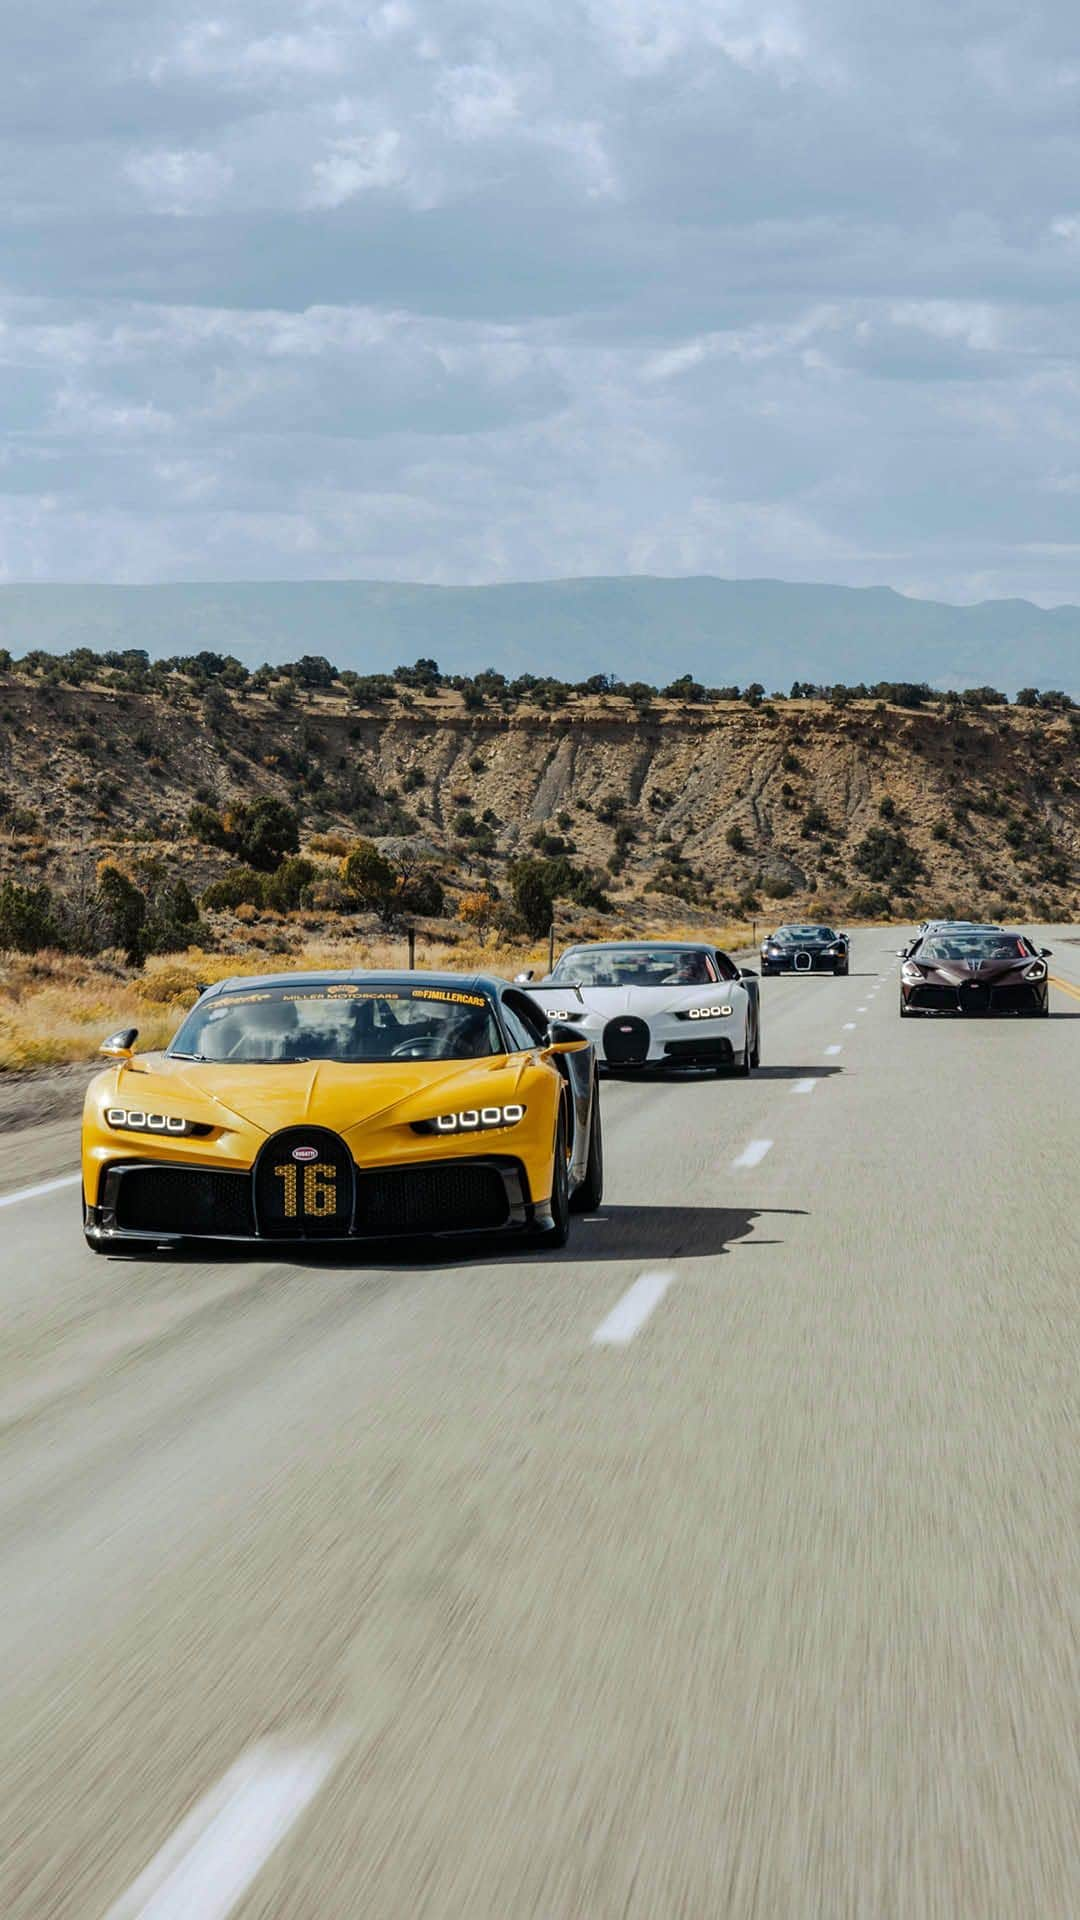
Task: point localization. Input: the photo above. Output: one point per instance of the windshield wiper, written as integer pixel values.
(187, 1056)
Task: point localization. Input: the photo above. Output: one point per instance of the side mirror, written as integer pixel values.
(562, 1038)
(522, 979)
(120, 1046)
(1045, 953)
(748, 973)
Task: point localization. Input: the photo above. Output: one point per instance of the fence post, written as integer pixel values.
(551, 948)
(412, 949)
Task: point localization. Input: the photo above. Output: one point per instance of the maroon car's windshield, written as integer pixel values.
(974, 946)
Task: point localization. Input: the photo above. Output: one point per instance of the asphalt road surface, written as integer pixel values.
(727, 1564)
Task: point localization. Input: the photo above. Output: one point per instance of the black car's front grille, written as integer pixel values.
(184, 1200)
(437, 1199)
(716, 1049)
(626, 1041)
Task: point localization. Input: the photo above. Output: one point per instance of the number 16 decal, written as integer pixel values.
(316, 1197)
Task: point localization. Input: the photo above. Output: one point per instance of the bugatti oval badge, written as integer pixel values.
(305, 1153)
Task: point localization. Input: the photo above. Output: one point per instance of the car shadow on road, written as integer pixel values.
(795, 1073)
(614, 1233)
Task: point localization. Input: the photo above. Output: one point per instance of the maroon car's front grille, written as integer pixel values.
(1015, 998)
(933, 998)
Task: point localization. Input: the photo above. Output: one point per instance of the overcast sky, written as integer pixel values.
(465, 290)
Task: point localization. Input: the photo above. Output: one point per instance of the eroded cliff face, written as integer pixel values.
(725, 798)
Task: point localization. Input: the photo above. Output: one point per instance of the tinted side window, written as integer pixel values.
(727, 968)
(524, 1023)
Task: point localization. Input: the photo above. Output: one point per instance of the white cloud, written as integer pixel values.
(445, 289)
(179, 182)
(358, 163)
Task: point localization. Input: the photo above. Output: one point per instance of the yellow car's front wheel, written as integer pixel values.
(557, 1234)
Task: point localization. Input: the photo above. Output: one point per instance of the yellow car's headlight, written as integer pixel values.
(472, 1120)
(144, 1120)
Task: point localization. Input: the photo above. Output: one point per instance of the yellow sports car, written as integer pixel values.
(333, 1106)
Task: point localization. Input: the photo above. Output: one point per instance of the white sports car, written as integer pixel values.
(656, 1003)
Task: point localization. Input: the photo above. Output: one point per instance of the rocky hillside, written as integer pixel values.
(680, 809)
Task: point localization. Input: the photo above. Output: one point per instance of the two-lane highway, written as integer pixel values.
(725, 1564)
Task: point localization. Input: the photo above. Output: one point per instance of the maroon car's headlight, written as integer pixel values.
(910, 974)
(1036, 971)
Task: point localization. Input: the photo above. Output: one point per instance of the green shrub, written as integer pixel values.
(284, 889)
(28, 918)
(240, 887)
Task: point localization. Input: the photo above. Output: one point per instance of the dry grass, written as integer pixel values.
(56, 1009)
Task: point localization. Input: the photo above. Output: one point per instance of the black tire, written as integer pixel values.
(590, 1194)
(558, 1233)
(755, 1051)
(905, 1012)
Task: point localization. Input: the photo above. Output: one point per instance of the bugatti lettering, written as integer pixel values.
(305, 1153)
(317, 1189)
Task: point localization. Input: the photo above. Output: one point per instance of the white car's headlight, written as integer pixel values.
(720, 1012)
(472, 1120)
(142, 1120)
(910, 974)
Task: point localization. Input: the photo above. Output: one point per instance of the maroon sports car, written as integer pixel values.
(976, 971)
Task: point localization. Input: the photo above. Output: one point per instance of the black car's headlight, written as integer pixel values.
(720, 1012)
(1036, 971)
(472, 1120)
(142, 1120)
(910, 974)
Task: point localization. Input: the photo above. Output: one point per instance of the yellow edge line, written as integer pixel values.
(1066, 986)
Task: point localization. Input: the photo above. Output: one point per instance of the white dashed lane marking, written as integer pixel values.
(629, 1314)
(849, 1026)
(753, 1154)
(835, 1048)
(804, 1086)
(229, 1835)
(35, 1193)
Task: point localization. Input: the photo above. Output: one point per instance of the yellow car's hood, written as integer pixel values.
(324, 1093)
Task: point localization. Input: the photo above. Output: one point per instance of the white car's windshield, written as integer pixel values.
(635, 967)
(339, 1021)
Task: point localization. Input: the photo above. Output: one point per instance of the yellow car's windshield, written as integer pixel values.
(339, 1021)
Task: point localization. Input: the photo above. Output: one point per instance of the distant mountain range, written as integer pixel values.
(637, 627)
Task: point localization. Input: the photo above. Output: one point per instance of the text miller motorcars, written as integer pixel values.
(326, 1106)
(656, 1003)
